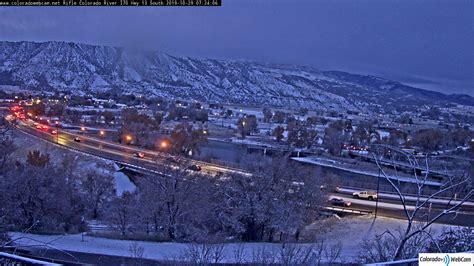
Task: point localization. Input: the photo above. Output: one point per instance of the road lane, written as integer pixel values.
(389, 209)
(152, 160)
(114, 151)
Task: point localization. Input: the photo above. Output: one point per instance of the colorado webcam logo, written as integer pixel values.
(446, 259)
(450, 259)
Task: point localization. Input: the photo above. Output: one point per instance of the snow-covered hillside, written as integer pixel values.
(79, 68)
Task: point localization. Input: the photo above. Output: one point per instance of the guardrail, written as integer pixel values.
(408, 196)
(96, 228)
(11, 259)
(164, 155)
(352, 211)
(92, 154)
(134, 166)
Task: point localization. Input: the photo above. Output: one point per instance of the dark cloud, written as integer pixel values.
(406, 40)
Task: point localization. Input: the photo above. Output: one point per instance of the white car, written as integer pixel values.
(365, 195)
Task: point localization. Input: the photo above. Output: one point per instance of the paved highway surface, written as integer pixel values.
(152, 160)
(121, 153)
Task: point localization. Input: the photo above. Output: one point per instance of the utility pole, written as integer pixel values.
(57, 132)
(377, 198)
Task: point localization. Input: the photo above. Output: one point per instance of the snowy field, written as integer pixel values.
(350, 231)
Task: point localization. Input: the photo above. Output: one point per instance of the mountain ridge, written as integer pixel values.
(86, 68)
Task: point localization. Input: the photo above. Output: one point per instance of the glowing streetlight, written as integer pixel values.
(101, 133)
(83, 129)
(204, 131)
(128, 138)
(164, 144)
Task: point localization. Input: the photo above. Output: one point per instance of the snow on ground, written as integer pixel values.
(123, 183)
(326, 163)
(26, 143)
(83, 163)
(250, 142)
(351, 231)
(247, 110)
(383, 134)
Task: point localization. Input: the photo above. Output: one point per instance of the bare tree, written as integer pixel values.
(44, 200)
(319, 253)
(135, 250)
(313, 254)
(121, 212)
(262, 206)
(204, 253)
(36, 158)
(382, 247)
(99, 189)
(278, 133)
(238, 254)
(176, 201)
(263, 256)
(247, 125)
(7, 146)
(454, 240)
(458, 188)
(186, 140)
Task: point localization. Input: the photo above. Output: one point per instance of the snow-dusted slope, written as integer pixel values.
(87, 68)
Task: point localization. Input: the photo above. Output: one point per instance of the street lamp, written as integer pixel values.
(56, 124)
(164, 144)
(101, 133)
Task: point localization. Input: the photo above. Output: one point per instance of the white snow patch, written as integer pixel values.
(358, 228)
(123, 183)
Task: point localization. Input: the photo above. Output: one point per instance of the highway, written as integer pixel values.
(387, 206)
(121, 153)
(392, 208)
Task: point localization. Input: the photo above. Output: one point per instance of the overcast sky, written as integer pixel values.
(428, 44)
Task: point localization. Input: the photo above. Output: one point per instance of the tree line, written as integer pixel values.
(273, 205)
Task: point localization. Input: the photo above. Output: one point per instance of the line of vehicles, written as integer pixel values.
(19, 113)
(141, 155)
(368, 195)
